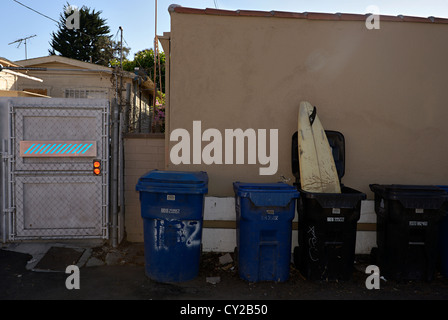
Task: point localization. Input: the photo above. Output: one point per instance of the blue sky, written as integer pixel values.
(137, 17)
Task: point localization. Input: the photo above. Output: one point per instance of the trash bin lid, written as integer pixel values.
(399, 191)
(413, 196)
(266, 194)
(173, 181)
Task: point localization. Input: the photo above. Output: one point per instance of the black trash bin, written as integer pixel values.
(327, 222)
(408, 223)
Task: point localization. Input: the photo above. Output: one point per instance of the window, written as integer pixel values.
(89, 94)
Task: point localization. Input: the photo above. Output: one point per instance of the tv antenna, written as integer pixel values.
(19, 41)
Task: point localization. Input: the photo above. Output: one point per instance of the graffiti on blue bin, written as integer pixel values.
(174, 233)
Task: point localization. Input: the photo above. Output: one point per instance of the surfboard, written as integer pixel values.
(317, 168)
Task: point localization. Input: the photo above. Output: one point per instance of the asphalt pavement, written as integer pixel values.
(106, 273)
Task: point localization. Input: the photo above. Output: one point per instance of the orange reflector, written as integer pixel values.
(96, 167)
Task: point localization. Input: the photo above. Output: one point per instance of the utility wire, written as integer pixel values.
(36, 11)
(49, 18)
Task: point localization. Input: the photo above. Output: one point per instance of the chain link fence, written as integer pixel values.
(57, 195)
(59, 206)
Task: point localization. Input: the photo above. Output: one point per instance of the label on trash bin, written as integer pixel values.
(269, 216)
(169, 210)
(418, 223)
(335, 219)
(171, 197)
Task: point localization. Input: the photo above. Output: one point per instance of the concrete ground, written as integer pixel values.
(108, 273)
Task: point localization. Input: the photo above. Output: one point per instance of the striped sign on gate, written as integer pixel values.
(58, 149)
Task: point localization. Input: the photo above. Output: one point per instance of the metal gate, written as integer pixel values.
(48, 185)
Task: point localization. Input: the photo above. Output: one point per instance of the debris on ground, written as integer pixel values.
(225, 259)
(213, 280)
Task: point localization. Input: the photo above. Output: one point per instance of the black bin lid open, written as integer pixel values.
(337, 143)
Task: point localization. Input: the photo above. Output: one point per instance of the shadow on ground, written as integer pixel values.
(119, 274)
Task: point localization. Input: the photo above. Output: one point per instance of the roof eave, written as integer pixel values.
(304, 15)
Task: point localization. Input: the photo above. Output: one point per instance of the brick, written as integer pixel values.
(321, 16)
(188, 10)
(135, 237)
(283, 14)
(252, 13)
(352, 17)
(161, 149)
(390, 18)
(137, 171)
(220, 12)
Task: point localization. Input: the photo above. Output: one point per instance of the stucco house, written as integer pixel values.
(70, 78)
(8, 80)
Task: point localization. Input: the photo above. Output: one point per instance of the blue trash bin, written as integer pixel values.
(172, 206)
(264, 214)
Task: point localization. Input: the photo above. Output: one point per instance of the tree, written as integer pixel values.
(90, 43)
(144, 60)
(112, 50)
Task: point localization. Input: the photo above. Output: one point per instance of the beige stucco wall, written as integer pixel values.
(142, 154)
(385, 90)
(8, 81)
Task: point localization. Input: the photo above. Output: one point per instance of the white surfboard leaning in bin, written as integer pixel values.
(317, 168)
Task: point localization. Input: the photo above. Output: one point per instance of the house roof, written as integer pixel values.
(77, 64)
(304, 15)
(7, 63)
(17, 93)
(63, 60)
